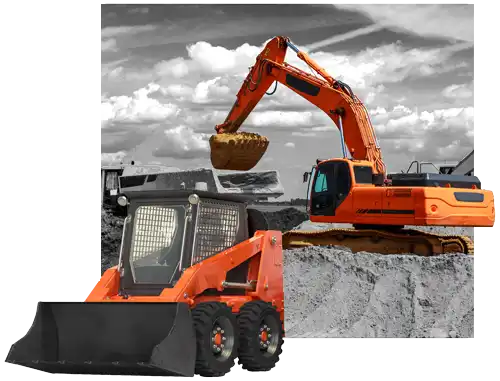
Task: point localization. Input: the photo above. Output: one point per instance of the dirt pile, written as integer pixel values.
(285, 219)
(330, 292)
(111, 235)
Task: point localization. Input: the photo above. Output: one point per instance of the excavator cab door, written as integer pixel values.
(331, 185)
(309, 178)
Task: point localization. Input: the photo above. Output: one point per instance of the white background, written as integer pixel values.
(50, 230)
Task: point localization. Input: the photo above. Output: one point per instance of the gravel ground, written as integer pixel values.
(330, 292)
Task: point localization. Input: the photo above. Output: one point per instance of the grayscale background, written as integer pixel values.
(170, 73)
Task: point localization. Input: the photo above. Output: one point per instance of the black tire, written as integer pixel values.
(253, 354)
(207, 317)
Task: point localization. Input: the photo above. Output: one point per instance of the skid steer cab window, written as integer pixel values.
(157, 243)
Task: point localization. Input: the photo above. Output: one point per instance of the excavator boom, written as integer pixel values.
(233, 151)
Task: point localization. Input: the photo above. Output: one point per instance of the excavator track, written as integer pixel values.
(404, 241)
(237, 151)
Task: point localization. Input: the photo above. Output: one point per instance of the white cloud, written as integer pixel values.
(463, 91)
(214, 74)
(304, 134)
(219, 60)
(176, 68)
(109, 35)
(430, 20)
(442, 134)
(209, 61)
(108, 45)
(182, 142)
(138, 108)
(112, 158)
(332, 127)
(204, 120)
(143, 10)
(290, 119)
(114, 31)
(290, 145)
(197, 92)
(212, 90)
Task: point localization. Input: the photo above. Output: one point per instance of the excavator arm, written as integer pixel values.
(243, 151)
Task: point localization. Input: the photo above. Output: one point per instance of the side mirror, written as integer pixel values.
(305, 177)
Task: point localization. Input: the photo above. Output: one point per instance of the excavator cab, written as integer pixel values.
(331, 181)
(330, 186)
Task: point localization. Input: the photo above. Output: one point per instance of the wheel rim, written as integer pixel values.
(222, 338)
(268, 336)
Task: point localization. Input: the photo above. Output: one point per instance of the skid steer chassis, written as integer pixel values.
(197, 286)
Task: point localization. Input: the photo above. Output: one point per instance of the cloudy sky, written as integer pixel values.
(170, 73)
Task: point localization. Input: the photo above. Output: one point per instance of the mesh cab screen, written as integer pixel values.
(157, 243)
(154, 229)
(216, 229)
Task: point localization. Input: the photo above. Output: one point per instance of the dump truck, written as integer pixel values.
(199, 283)
(258, 185)
(355, 188)
(114, 180)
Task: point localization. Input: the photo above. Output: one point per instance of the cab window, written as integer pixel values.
(320, 184)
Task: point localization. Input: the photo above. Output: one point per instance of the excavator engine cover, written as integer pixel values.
(156, 339)
(237, 151)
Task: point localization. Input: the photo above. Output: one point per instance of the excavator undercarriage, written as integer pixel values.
(392, 241)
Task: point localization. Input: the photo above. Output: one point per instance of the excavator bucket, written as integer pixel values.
(237, 151)
(156, 339)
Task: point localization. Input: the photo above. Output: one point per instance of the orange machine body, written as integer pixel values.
(265, 271)
(373, 202)
(409, 205)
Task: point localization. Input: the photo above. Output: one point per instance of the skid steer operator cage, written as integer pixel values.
(167, 232)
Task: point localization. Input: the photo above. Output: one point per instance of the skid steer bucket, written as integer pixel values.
(237, 151)
(109, 338)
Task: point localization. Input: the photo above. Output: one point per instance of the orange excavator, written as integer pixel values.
(356, 188)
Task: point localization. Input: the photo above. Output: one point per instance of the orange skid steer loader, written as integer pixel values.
(199, 282)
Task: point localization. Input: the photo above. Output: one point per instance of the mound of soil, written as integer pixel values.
(285, 219)
(330, 292)
(111, 235)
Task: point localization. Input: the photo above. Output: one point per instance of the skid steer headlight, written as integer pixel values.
(122, 201)
(193, 199)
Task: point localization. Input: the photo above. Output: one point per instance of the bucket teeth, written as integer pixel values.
(237, 151)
